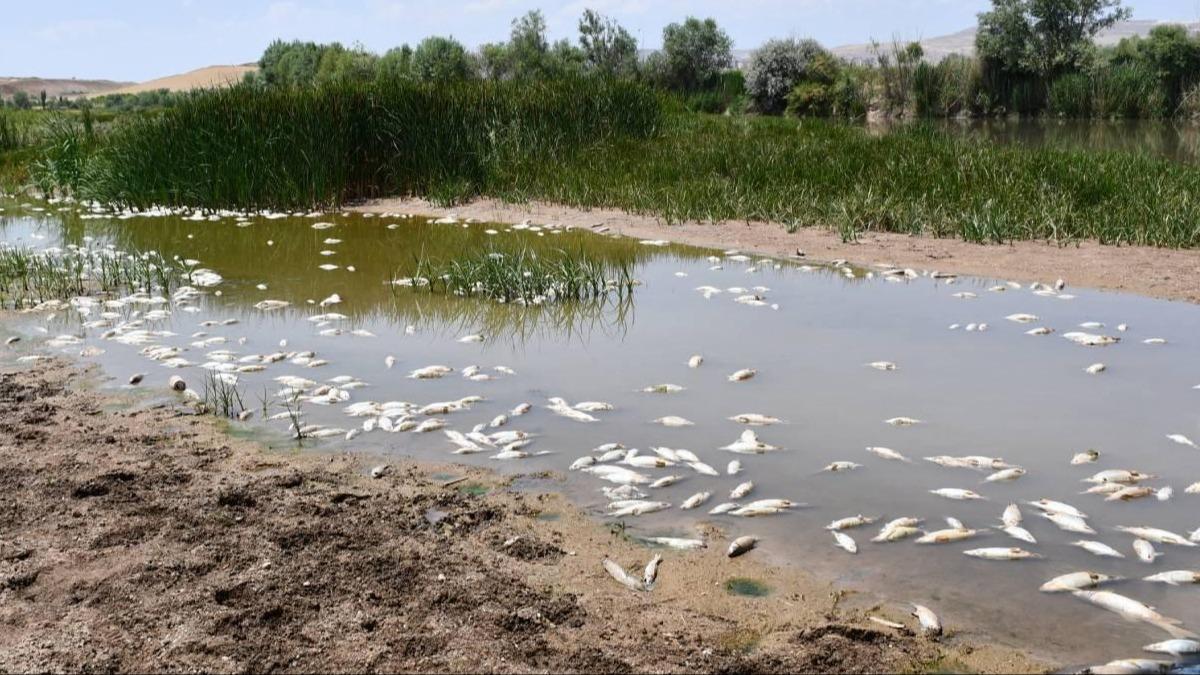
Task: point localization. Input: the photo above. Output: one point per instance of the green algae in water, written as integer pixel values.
(474, 489)
(747, 587)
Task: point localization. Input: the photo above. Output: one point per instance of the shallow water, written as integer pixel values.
(999, 393)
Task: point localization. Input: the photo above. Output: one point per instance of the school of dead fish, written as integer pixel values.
(138, 320)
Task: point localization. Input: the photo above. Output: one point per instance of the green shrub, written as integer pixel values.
(1071, 96)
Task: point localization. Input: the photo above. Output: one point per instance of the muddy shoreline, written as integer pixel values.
(1169, 274)
(138, 537)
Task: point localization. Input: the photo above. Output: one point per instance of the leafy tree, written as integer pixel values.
(442, 59)
(339, 64)
(21, 101)
(775, 70)
(395, 64)
(1044, 37)
(695, 52)
(607, 47)
(1170, 53)
(290, 63)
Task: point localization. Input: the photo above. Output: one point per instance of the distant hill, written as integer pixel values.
(963, 42)
(70, 88)
(211, 76)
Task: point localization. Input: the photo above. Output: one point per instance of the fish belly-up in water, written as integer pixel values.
(1133, 610)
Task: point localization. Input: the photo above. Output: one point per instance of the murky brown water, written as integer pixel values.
(999, 393)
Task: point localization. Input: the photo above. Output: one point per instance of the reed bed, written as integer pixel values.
(307, 147)
(29, 276)
(222, 397)
(525, 276)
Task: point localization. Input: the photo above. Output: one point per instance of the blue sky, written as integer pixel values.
(143, 39)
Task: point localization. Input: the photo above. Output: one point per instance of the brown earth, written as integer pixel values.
(55, 87)
(201, 78)
(135, 536)
(1161, 273)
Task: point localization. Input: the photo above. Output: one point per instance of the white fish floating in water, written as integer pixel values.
(593, 406)
(834, 467)
(1154, 341)
(930, 624)
(618, 475)
(1193, 489)
(1175, 577)
(1095, 369)
(947, 536)
(636, 507)
(1181, 439)
(430, 372)
(1132, 610)
(998, 553)
(1076, 581)
(763, 507)
(695, 361)
(956, 494)
(674, 421)
(1129, 667)
(1005, 475)
(851, 522)
(741, 546)
(1068, 523)
(650, 575)
(1090, 339)
(1019, 533)
(844, 541)
(887, 453)
(741, 490)
(755, 419)
(749, 444)
(1117, 476)
(1041, 330)
(1156, 535)
(702, 468)
(1177, 647)
(662, 389)
(882, 365)
(1098, 548)
(1011, 516)
(891, 532)
(733, 468)
(743, 375)
(582, 463)
(902, 421)
(1050, 506)
(666, 481)
(676, 543)
(695, 500)
(1021, 318)
(725, 507)
(1086, 457)
(1145, 551)
(467, 339)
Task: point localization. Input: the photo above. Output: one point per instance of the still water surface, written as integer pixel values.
(999, 392)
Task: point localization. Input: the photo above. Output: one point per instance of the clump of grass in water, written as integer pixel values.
(221, 397)
(29, 276)
(525, 276)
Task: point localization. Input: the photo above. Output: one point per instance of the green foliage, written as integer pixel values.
(778, 66)
(1072, 96)
(897, 68)
(442, 60)
(21, 100)
(1044, 37)
(302, 147)
(694, 53)
(396, 64)
(65, 146)
(608, 49)
(1129, 90)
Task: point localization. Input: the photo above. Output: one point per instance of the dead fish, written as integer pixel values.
(676, 543)
(841, 466)
(1068, 522)
(1011, 516)
(742, 375)
(844, 541)
(1156, 535)
(624, 578)
(379, 471)
(702, 468)
(177, 383)
(1005, 475)
(895, 533)
(665, 481)
(1021, 318)
(593, 406)
(735, 467)
(996, 553)
(889, 624)
(887, 453)
(663, 389)
(638, 508)
(695, 500)
(956, 493)
(1117, 476)
(755, 419)
(1130, 493)
(724, 508)
(902, 421)
(582, 463)
(1154, 341)
(931, 625)
(1050, 506)
(741, 490)
(1145, 550)
(741, 546)
(1175, 577)
(1133, 610)
(467, 339)
(882, 365)
(651, 573)
(1182, 440)
(748, 444)
(430, 372)
(1098, 548)
(1090, 339)
(1076, 581)
(136, 378)
(12, 340)
(851, 522)
(1041, 330)
(674, 421)
(695, 361)
(1019, 533)
(1130, 667)
(1177, 648)
(946, 536)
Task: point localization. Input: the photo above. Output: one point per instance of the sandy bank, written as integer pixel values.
(1160, 273)
(135, 537)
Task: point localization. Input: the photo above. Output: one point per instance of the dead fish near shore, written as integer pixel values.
(947, 536)
(1182, 440)
(844, 541)
(136, 378)
(851, 522)
(1005, 475)
(695, 361)
(1098, 548)
(1145, 551)
(887, 453)
(1132, 610)
(1051, 506)
(1086, 457)
(636, 507)
(695, 500)
(1126, 476)
(931, 625)
(748, 444)
(741, 546)
(903, 421)
(1091, 339)
(1156, 535)
(834, 467)
(650, 575)
(1175, 577)
(674, 421)
(1068, 523)
(755, 419)
(959, 494)
(997, 553)
(882, 365)
(1076, 581)
(430, 372)
(662, 389)
(1129, 667)
(624, 578)
(741, 490)
(1177, 648)
(676, 543)
(742, 375)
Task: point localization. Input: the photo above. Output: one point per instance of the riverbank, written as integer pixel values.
(1170, 274)
(136, 536)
